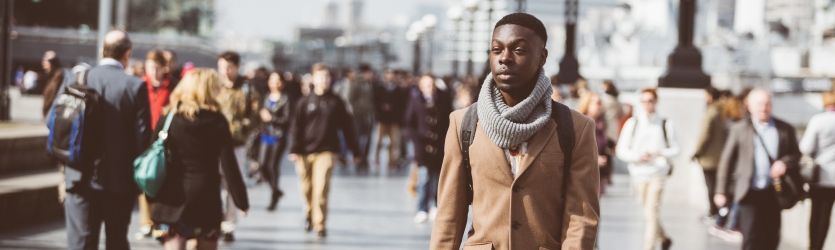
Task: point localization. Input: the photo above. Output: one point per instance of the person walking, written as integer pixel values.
(389, 101)
(592, 106)
(358, 93)
(647, 143)
(709, 145)
(757, 151)
(521, 143)
(159, 86)
(188, 205)
(53, 80)
(613, 109)
(314, 145)
(106, 192)
(239, 103)
(427, 116)
(275, 118)
(819, 142)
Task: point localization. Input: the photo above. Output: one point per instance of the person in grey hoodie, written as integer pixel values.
(819, 142)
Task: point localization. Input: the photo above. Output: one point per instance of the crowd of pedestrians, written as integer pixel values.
(510, 137)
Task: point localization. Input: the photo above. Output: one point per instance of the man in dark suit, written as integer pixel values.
(758, 151)
(106, 192)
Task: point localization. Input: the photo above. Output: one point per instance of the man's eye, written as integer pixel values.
(519, 51)
(496, 50)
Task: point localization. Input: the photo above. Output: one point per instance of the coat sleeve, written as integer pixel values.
(582, 208)
(809, 142)
(672, 149)
(231, 172)
(142, 119)
(792, 156)
(624, 148)
(297, 132)
(710, 125)
(727, 162)
(346, 121)
(453, 195)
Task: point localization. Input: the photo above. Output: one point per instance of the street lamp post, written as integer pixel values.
(454, 13)
(414, 35)
(340, 43)
(105, 11)
(685, 63)
(6, 10)
(472, 7)
(429, 21)
(569, 67)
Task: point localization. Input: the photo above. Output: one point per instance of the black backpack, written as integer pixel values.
(75, 125)
(560, 113)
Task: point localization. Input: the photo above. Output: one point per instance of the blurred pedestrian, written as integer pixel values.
(427, 116)
(239, 103)
(514, 157)
(275, 118)
(188, 205)
(612, 109)
(819, 142)
(314, 145)
(647, 143)
(108, 193)
(575, 91)
(709, 145)
(758, 151)
(358, 93)
(137, 69)
(54, 79)
(175, 72)
(390, 98)
(592, 106)
(158, 82)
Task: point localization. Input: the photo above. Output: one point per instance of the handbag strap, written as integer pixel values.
(163, 134)
(762, 143)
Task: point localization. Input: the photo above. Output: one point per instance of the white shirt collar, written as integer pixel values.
(112, 62)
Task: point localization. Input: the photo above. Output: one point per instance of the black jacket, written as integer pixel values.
(190, 192)
(429, 123)
(395, 98)
(280, 124)
(317, 120)
(126, 129)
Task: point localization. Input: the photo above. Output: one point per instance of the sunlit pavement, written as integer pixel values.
(373, 211)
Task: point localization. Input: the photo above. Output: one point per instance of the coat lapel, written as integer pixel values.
(536, 144)
(491, 150)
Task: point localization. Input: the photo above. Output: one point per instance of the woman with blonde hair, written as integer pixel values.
(188, 205)
(591, 105)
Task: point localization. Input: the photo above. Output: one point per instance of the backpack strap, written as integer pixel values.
(565, 130)
(468, 127)
(664, 130)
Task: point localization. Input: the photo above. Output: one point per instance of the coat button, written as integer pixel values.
(515, 225)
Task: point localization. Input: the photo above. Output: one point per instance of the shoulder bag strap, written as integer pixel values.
(565, 130)
(468, 127)
(163, 134)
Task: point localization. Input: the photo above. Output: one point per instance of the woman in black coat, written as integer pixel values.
(275, 115)
(189, 205)
(427, 117)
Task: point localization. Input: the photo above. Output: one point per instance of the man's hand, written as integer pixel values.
(265, 115)
(357, 160)
(719, 200)
(293, 157)
(778, 169)
(645, 157)
(602, 160)
(244, 212)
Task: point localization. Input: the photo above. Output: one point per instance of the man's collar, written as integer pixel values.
(111, 62)
(759, 125)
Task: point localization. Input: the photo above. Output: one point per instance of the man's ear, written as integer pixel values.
(543, 57)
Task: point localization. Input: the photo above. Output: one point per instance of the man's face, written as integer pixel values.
(47, 67)
(227, 70)
(759, 105)
(516, 55)
(389, 76)
(648, 101)
(368, 76)
(708, 97)
(154, 70)
(427, 85)
(321, 80)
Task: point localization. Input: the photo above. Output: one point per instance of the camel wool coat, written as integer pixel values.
(521, 212)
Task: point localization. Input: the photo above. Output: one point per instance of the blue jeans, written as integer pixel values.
(427, 187)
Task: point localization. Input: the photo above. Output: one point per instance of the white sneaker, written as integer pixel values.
(421, 217)
(432, 213)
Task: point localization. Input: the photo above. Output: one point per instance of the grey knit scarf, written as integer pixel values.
(510, 126)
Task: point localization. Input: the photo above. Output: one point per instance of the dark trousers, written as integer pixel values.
(270, 161)
(86, 209)
(710, 181)
(759, 220)
(822, 201)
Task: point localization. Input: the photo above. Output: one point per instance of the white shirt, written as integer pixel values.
(762, 165)
(648, 138)
(515, 161)
(111, 61)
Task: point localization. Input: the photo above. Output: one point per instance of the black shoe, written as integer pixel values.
(228, 237)
(274, 202)
(322, 233)
(308, 225)
(666, 244)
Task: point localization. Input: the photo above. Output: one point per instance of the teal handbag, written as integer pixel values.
(149, 168)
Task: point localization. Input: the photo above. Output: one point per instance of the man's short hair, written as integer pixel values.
(651, 91)
(365, 67)
(525, 20)
(319, 67)
(117, 49)
(231, 57)
(157, 57)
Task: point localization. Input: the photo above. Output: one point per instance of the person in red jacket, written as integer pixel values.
(158, 81)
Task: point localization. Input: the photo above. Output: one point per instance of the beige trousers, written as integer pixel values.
(315, 171)
(649, 195)
(392, 131)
